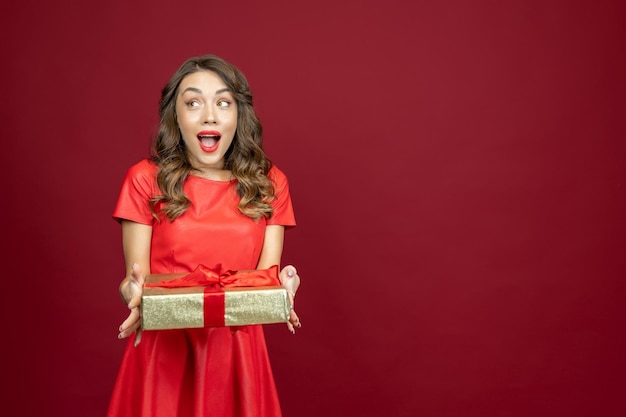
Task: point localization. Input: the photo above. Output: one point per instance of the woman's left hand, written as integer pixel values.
(291, 281)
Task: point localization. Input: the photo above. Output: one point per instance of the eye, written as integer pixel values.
(223, 103)
(193, 103)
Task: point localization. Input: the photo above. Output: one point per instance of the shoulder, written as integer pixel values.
(143, 168)
(143, 171)
(138, 187)
(279, 181)
(277, 176)
(142, 175)
(281, 203)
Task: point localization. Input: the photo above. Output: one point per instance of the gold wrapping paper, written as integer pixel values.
(179, 308)
(262, 305)
(172, 308)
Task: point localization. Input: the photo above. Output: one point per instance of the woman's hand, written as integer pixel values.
(291, 281)
(131, 291)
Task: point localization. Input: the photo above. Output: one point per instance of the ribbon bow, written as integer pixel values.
(217, 277)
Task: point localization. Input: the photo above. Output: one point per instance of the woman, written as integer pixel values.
(209, 196)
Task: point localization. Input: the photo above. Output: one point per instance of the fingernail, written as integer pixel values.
(290, 273)
(119, 336)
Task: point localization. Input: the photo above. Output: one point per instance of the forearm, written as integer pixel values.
(136, 241)
(272, 247)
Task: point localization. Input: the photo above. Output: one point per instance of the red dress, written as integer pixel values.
(219, 371)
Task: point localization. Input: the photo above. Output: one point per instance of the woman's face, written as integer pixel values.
(207, 118)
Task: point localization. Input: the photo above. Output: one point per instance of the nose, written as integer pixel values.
(209, 115)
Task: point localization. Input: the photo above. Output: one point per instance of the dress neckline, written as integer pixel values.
(229, 181)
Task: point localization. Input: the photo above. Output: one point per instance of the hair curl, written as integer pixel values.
(245, 158)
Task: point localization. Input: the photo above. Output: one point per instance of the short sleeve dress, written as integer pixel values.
(219, 371)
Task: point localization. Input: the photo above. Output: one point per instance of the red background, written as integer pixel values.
(457, 168)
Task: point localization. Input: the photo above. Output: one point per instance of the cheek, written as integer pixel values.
(187, 134)
(233, 122)
(185, 123)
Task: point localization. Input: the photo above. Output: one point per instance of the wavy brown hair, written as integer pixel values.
(245, 158)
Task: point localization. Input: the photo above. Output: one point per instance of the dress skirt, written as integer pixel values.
(213, 372)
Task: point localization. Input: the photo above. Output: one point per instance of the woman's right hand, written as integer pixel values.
(131, 291)
(291, 281)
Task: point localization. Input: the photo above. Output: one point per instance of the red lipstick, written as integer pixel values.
(209, 140)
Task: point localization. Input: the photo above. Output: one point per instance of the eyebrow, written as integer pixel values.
(197, 90)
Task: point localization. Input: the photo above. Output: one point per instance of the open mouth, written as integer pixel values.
(209, 141)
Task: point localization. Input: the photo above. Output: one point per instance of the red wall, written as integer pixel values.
(457, 168)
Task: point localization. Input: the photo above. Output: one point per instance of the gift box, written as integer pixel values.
(212, 297)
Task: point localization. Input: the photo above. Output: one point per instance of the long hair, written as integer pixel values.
(245, 158)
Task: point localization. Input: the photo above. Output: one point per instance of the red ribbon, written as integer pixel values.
(213, 279)
(216, 277)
